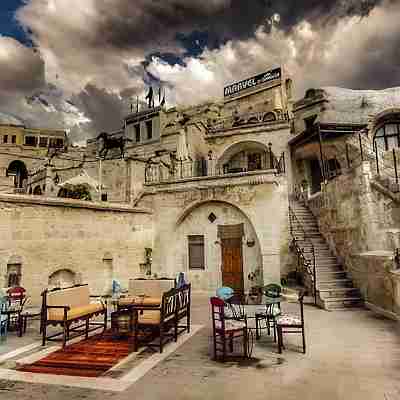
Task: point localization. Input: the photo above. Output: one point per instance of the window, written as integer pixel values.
(5, 138)
(57, 143)
(196, 251)
(137, 133)
(30, 141)
(13, 275)
(14, 139)
(43, 142)
(387, 136)
(149, 128)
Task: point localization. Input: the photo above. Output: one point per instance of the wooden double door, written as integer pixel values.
(232, 264)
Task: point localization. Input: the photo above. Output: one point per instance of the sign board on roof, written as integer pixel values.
(259, 79)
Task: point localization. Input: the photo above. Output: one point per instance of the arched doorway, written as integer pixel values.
(18, 170)
(216, 243)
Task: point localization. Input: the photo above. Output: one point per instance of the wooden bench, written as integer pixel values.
(67, 306)
(150, 290)
(175, 306)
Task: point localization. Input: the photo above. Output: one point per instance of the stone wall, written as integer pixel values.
(357, 220)
(259, 201)
(95, 241)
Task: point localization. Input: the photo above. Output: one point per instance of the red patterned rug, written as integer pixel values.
(89, 358)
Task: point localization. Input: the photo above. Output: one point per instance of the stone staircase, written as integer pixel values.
(334, 288)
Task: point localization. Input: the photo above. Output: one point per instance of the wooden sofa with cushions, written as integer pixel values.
(166, 318)
(67, 306)
(150, 291)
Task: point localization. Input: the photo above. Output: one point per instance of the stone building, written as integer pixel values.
(206, 190)
(23, 150)
(345, 165)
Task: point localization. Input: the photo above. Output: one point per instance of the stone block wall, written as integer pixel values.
(48, 235)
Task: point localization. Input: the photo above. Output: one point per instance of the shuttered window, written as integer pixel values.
(196, 251)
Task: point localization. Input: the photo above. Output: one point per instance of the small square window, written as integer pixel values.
(5, 138)
(137, 133)
(43, 141)
(30, 140)
(14, 139)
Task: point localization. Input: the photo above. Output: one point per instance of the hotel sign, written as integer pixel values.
(252, 82)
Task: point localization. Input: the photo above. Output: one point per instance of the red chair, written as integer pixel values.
(226, 329)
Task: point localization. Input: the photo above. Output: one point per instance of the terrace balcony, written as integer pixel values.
(180, 171)
(244, 120)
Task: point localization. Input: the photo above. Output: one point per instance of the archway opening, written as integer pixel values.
(18, 170)
(245, 156)
(62, 278)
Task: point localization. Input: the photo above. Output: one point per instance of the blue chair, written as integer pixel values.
(3, 316)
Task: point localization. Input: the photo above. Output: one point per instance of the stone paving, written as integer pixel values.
(352, 354)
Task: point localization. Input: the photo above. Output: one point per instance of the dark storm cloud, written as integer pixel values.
(22, 70)
(104, 109)
(147, 24)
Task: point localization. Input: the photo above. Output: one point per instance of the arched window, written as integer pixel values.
(387, 136)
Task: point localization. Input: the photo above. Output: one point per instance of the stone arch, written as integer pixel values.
(62, 278)
(17, 168)
(37, 190)
(238, 147)
(389, 112)
(227, 214)
(269, 117)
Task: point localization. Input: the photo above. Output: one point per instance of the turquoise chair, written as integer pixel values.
(3, 316)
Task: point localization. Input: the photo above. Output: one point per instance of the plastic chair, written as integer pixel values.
(289, 323)
(226, 330)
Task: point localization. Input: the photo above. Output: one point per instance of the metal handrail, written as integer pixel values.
(308, 264)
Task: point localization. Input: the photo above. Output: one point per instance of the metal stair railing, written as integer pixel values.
(298, 234)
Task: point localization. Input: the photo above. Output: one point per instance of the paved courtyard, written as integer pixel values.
(351, 355)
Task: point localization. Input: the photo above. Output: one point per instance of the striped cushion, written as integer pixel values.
(231, 325)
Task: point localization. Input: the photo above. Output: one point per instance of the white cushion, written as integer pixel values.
(288, 320)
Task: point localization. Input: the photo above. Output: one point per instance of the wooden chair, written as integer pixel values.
(289, 323)
(226, 329)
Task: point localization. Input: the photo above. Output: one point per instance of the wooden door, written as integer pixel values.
(232, 264)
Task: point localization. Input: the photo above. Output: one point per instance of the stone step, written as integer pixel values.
(331, 275)
(334, 293)
(335, 283)
(342, 303)
(328, 268)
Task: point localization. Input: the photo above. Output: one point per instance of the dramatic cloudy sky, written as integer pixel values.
(77, 63)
